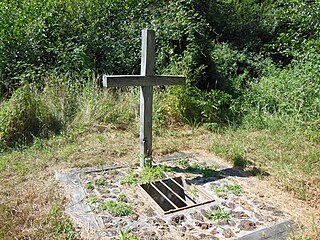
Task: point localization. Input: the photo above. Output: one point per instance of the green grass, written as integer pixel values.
(289, 156)
(219, 214)
(206, 171)
(90, 186)
(102, 182)
(235, 189)
(125, 235)
(116, 208)
(154, 173)
(93, 199)
(130, 179)
(183, 163)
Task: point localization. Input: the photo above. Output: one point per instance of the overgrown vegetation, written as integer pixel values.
(252, 71)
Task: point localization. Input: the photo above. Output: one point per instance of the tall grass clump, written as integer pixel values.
(286, 97)
(63, 105)
(24, 116)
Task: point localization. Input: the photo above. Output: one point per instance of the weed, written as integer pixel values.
(122, 198)
(239, 161)
(92, 199)
(219, 214)
(208, 172)
(130, 179)
(3, 164)
(102, 182)
(195, 167)
(21, 168)
(214, 127)
(184, 162)
(204, 170)
(101, 138)
(116, 208)
(124, 235)
(220, 190)
(65, 228)
(89, 186)
(235, 189)
(194, 191)
(154, 173)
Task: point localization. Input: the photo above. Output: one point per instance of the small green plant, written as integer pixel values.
(154, 173)
(89, 186)
(220, 190)
(214, 127)
(208, 172)
(195, 167)
(92, 199)
(194, 191)
(235, 189)
(102, 182)
(130, 179)
(122, 198)
(204, 170)
(116, 208)
(219, 214)
(3, 164)
(124, 235)
(183, 163)
(239, 161)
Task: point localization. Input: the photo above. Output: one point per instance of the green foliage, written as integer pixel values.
(219, 214)
(184, 162)
(130, 179)
(102, 182)
(235, 189)
(125, 235)
(90, 186)
(154, 173)
(204, 170)
(92, 199)
(286, 96)
(116, 208)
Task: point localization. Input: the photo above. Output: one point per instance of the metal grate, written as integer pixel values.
(174, 194)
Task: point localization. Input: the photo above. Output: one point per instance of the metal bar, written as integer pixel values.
(155, 204)
(155, 187)
(187, 207)
(174, 192)
(190, 198)
(200, 190)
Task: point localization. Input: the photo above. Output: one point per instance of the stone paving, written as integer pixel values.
(232, 214)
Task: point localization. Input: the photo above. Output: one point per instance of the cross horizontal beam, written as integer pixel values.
(138, 80)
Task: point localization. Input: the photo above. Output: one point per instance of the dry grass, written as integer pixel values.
(32, 204)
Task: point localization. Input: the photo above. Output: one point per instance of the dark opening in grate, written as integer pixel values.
(174, 194)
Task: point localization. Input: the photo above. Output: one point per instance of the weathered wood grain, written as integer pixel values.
(138, 80)
(148, 51)
(279, 231)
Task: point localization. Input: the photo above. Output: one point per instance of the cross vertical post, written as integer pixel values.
(148, 50)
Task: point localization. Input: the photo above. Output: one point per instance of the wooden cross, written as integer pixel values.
(146, 80)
